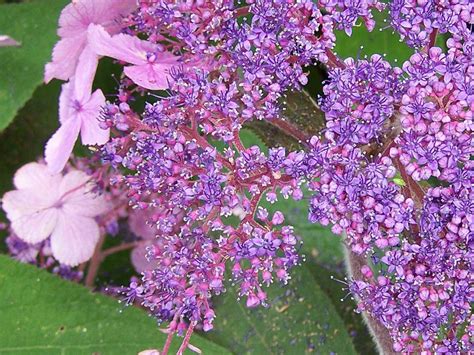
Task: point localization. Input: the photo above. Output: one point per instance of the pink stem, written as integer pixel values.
(433, 36)
(291, 130)
(334, 61)
(166, 348)
(187, 337)
(94, 264)
(116, 249)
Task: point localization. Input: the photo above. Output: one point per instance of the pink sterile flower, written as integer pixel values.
(78, 112)
(52, 205)
(139, 225)
(73, 23)
(150, 66)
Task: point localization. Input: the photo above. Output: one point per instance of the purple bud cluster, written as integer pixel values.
(418, 20)
(346, 13)
(360, 199)
(424, 290)
(244, 68)
(359, 100)
(39, 254)
(436, 113)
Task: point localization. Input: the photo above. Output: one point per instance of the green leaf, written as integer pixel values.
(300, 319)
(24, 140)
(21, 70)
(345, 306)
(320, 245)
(301, 111)
(381, 41)
(43, 314)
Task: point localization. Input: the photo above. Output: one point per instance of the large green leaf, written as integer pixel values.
(300, 319)
(21, 69)
(319, 243)
(330, 283)
(42, 314)
(381, 40)
(301, 112)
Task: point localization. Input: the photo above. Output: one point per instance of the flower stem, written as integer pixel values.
(187, 337)
(94, 264)
(380, 334)
(334, 61)
(433, 36)
(116, 249)
(291, 130)
(167, 345)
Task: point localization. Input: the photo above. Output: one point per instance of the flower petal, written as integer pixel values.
(30, 219)
(6, 41)
(76, 16)
(149, 76)
(37, 177)
(19, 203)
(74, 239)
(73, 183)
(65, 102)
(138, 222)
(60, 145)
(65, 57)
(86, 68)
(36, 227)
(123, 47)
(138, 258)
(91, 132)
(78, 197)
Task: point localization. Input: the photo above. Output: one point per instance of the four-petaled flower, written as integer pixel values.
(62, 207)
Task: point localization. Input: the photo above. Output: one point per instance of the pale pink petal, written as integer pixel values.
(78, 197)
(30, 218)
(138, 223)
(37, 176)
(77, 16)
(139, 260)
(73, 181)
(60, 145)
(20, 203)
(129, 49)
(74, 20)
(149, 76)
(91, 132)
(65, 57)
(66, 102)
(88, 204)
(36, 227)
(74, 239)
(86, 68)
(149, 352)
